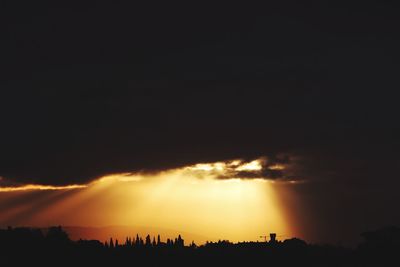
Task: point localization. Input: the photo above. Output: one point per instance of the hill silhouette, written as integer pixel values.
(53, 247)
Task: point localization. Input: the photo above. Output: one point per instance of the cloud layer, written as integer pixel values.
(261, 168)
(148, 90)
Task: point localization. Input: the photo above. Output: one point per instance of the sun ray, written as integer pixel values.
(191, 199)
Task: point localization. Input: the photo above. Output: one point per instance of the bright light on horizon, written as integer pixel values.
(206, 208)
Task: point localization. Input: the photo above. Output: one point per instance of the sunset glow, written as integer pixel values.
(190, 199)
(39, 187)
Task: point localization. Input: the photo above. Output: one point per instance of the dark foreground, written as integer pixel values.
(34, 247)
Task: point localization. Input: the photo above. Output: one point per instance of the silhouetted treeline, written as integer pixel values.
(52, 247)
(149, 242)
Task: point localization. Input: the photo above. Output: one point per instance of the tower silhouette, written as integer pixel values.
(272, 237)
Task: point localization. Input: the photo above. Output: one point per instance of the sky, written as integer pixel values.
(147, 90)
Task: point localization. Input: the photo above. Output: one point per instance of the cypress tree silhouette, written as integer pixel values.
(148, 241)
(137, 242)
(180, 242)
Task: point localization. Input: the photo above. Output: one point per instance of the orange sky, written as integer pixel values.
(191, 200)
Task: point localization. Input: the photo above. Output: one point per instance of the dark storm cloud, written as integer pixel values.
(97, 89)
(266, 174)
(274, 168)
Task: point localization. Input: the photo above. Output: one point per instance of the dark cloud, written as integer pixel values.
(96, 89)
(4, 182)
(266, 174)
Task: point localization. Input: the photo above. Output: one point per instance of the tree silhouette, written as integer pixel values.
(137, 242)
(25, 246)
(148, 241)
(57, 235)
